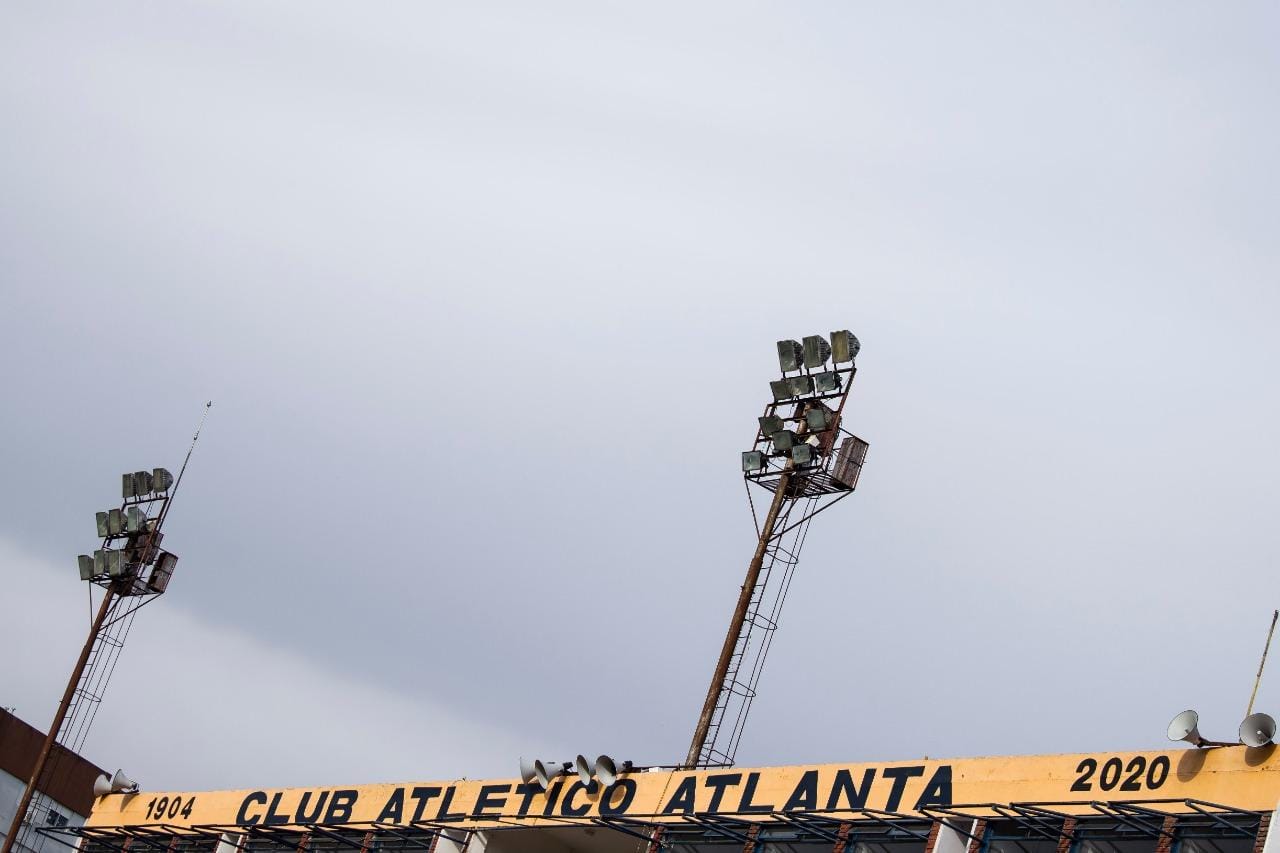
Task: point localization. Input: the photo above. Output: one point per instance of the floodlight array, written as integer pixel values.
(131, 538)
(811, 372)
(141, 484)
(814, 351)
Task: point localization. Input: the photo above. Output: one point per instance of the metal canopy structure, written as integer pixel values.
(980, 828)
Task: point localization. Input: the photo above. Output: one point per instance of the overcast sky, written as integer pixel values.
(486, 298)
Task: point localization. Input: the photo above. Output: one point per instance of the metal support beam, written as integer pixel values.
(735, 624)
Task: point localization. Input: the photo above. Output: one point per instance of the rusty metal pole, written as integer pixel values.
(52, 737)
(1275, 614)
(735, 624)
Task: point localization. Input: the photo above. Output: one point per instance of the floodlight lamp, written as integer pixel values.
(784, 439)
(161, 480)
(141, 483)
(816, 351)
(101, 518)
(790, 355)
(126, 485)
(818, 418)
(803, 454)
(115, 563)
(86, 567)
(769, 424)
(135, 520)
(827, 383)
(800, 386)
(163, 571)
(781, 389)
(844, 346)
(752, 460)
(115, 522)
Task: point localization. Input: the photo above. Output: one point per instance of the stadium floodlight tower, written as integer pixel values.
(805, 457)
(132, 570)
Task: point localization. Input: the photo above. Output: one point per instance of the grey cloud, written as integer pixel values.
(486, 299)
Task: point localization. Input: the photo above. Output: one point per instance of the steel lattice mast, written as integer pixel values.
(132, 571)
(796, 458)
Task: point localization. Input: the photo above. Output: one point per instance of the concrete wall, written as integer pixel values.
(11, 788)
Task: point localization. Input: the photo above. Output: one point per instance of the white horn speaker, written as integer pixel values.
(527, 772)
(1257, 730)
(101, 786)
(608, 770)
(122, 784)
(1184, 727)
(545, 771)
(583, 768)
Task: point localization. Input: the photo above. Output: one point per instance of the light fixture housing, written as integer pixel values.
(769, 424)
(803, 454)
(135, 520)
(781, 389)
(816, 351)
(86, 566)
(108, 562)
(752, 460)
(101, 519)
(163, 571)
(819, 418)
(115, 522)
(844, 346)
(849, 460)
(800, 386)
(161, 479)
(790, 355)
(827, 383)
(784, 439)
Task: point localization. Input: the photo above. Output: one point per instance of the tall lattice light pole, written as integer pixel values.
(802, 455)
(132, 570)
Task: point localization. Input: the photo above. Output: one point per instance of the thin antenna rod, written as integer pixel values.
(1265, 649)
(194, 439)
(183, 469)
